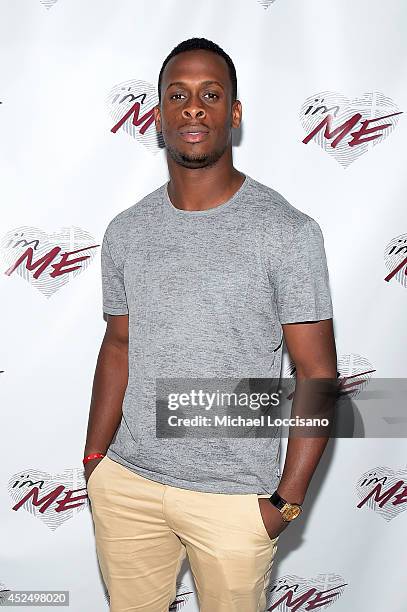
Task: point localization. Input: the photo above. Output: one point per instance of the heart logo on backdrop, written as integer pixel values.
(305, 593)
(266, 3)
(4, 593)
(48, 3)
(354, 372)
(338, 109)
(386, 478)
(131, 106)
(51, 492)
(52, 271)
(182, 597)
(395, 259)
(183, 594)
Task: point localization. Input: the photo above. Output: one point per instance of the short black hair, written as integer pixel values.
(201, 43)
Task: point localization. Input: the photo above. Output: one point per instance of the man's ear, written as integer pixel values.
(157, 118)
(236, 113)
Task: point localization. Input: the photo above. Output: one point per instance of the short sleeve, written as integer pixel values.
(302, 288)
(113, 288)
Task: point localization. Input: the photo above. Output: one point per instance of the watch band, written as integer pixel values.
(288, 511)
(277, 500)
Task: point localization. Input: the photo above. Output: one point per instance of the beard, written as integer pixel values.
(198, 160)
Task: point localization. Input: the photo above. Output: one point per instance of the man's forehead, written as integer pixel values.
(197, 65)
(202, 83)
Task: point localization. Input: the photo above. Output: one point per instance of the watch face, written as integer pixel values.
(291, 512)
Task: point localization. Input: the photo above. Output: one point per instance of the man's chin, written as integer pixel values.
(193, 161)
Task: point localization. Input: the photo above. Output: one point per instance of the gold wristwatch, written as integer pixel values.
(288, 511)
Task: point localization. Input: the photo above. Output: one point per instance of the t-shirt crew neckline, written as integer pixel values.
(210, 211)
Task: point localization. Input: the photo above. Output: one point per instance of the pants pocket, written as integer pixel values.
(259, 519)
(95, 470)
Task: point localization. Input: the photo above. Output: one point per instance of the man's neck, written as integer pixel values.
(203, 188)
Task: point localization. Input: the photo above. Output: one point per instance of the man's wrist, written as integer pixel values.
(291, 495)
(94, 449)
(288, 510)
(92, 457)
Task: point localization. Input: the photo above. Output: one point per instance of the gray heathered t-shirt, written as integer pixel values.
(206, 293)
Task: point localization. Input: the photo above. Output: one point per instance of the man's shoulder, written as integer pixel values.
(270, 206)
(130, 217)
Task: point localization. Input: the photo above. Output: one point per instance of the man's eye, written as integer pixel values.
(177, 96)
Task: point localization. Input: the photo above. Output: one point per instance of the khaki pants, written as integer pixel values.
(145, 529)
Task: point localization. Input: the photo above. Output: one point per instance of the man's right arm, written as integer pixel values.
(109, 386)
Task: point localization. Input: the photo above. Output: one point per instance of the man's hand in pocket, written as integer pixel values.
(272, 519)
(90, 466)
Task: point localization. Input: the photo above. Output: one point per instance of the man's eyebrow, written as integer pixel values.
(204, 83)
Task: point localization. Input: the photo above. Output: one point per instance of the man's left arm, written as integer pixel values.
(312, 349)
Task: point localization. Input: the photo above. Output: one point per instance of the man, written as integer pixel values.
(201, 278)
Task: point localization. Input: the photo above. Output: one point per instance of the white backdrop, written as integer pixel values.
(64, 174)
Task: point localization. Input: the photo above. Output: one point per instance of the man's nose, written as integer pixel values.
(193, 109)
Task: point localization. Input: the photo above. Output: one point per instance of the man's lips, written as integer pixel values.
(194, 127)
(193, 133)
(193, 136)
